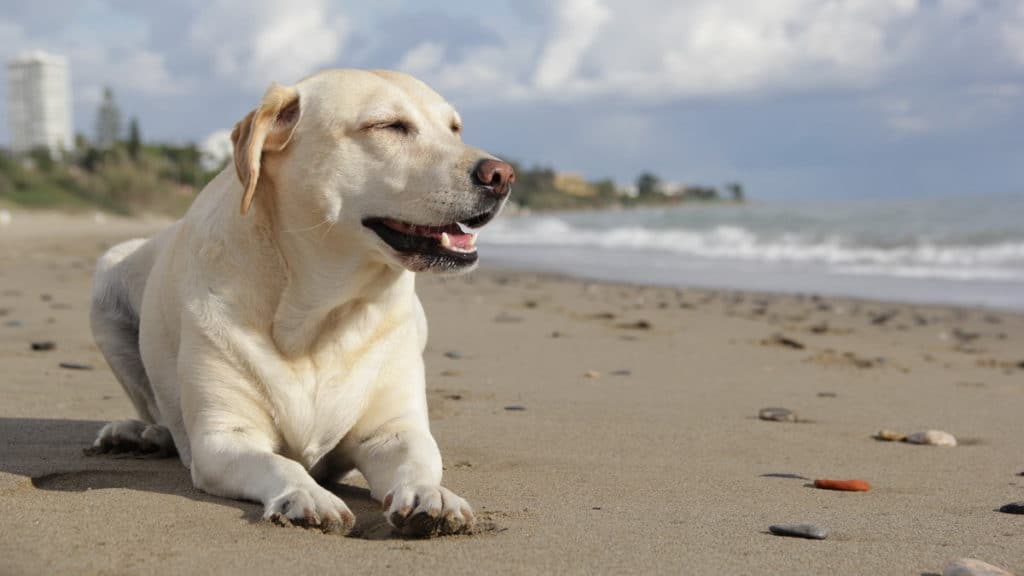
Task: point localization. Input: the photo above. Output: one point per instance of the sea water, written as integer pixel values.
(955, 250)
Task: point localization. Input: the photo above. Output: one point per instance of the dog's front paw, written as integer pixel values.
(425, 511)
(311, 508)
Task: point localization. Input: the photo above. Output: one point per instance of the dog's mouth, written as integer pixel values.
(450, 246)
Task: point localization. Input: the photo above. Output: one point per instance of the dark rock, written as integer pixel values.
(75, 366)
(13, 323)
(623, 372)
(820, 328)
(44, 345)
(515, 408)
(827, 395)
(883, 317)
(776, 415)
(453, 397)
(1013, 508)
(453, 354)
(780, 340)
(638, 325)
(800, 531)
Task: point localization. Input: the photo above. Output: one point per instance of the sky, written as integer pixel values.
(794, 98)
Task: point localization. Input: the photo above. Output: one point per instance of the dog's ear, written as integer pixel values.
(268, 128)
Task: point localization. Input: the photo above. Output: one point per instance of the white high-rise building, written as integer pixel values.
(39, 102)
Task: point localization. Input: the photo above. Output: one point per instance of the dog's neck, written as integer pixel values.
(329, 282)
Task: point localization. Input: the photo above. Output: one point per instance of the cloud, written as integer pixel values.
(901, 116)
(1013, 35)
(422, 58)
(663, 49)
(259, 41)
(578, 24)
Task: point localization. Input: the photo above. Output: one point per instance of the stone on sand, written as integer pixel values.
(777, 415)
(800, 531)
(1013, 508)
(932, 438)
(972, 567)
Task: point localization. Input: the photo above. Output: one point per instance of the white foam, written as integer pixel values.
(920, 259)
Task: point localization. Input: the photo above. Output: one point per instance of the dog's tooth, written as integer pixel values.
(445, 240)
(472, 239)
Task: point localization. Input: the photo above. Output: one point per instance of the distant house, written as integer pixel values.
(39, 103)
(574, 185)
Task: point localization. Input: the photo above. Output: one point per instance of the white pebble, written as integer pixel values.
(5, 217)
(972, 567)
(932, 438)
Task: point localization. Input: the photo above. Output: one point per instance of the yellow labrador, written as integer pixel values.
(279, 346)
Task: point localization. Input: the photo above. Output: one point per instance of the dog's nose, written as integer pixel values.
(496, 175)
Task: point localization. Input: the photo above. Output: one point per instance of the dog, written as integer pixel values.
(272, 338)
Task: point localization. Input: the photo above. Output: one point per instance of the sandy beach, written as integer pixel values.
(595, 428)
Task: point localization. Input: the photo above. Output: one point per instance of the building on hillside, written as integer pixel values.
(574, 185)
(39, 103)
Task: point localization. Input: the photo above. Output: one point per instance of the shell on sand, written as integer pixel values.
(972, 567)
(932, 438)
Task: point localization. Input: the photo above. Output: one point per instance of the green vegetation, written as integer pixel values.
(541, 188)
(157, 178)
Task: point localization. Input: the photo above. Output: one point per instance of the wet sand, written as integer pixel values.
(596, 428)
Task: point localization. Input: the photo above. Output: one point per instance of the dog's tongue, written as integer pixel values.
(460, 240)
(450, 236)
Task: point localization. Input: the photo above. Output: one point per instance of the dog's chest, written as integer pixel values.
(321, 406)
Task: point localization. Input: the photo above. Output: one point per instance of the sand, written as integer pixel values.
(632, 446)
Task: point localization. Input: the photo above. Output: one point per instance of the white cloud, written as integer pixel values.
(1013, 35)
(422, 58)
(260, 41)
(661, 49)
(578, 25)
(901, 116)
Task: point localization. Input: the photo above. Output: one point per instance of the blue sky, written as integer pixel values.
(795, 98)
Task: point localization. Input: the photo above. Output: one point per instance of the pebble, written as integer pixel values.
(780, 340)
(890, 436)
(75, 366)
(638, 325)
(1013, 508)
(453, 354)
(972, 567)
(844, 485)
(932, 438)
(777, 415)
(515, 408)
(591, 374)
(623, 372)
(44, 345)
(800, 531)
(451, 373)
(827, 395)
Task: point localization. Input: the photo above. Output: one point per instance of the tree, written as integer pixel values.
(108, 121)
(134, 138)
(648, 186)
(736, 190)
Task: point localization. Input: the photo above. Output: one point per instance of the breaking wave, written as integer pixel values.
(994, 261)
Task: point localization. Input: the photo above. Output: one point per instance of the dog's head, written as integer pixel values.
(374, 160)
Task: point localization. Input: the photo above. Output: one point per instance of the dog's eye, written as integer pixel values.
(456, 129)
(400, 126)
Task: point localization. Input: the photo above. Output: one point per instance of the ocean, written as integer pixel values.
(949, 250)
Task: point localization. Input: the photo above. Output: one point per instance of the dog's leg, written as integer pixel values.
(133, 437)
(402, 463)
(243, 465)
